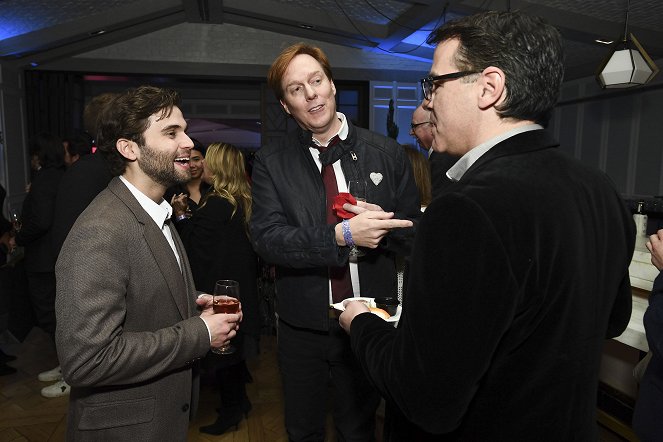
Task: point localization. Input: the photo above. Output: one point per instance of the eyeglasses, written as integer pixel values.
(413, 126)
(428, 83)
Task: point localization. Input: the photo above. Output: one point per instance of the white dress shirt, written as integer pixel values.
(342, 185)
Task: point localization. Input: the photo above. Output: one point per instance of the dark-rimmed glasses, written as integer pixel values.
(413, 126)
(428, 83)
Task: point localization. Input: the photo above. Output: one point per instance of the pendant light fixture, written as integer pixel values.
(628, 64)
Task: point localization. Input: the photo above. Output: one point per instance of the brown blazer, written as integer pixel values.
(128, 333)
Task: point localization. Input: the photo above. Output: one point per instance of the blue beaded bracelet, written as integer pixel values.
(347, 236)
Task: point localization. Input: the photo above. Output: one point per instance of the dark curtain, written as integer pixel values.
(54, 102)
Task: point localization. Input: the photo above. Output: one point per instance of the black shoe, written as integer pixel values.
(4, 357)
(223, 423)
(6, 370)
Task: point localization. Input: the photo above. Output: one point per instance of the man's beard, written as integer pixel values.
(161, 167)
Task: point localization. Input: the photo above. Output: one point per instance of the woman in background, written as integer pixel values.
(217, 243)
(196, 187)
(421, 171)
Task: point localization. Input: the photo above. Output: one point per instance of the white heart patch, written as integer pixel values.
(376, 177)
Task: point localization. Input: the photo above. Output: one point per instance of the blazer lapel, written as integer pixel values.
(158, 244)
(190, 286)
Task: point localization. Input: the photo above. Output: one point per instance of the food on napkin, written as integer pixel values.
(381, 313)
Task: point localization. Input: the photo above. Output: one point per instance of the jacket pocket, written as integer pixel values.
(116, 414)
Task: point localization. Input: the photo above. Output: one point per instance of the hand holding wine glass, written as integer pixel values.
(15, 219)
(225, 300)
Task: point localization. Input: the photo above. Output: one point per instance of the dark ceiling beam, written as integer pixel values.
(416, 17)
(295, 29)
(304, 23)
(419, 2)
(203, 11)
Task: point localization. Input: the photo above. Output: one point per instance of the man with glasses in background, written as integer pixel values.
(519, 270)
(440, 162)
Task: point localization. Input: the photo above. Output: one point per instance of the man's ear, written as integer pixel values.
(492, 87)
(285, 107)
(126, 148)
(333, 87)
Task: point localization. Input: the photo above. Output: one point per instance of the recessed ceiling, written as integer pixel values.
(40, 31)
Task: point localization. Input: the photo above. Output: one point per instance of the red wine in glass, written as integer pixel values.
(223, 304)
(225, 300)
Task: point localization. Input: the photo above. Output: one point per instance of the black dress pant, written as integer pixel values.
(310, 361)
(41, 286)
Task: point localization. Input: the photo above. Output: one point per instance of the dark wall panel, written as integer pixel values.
(650, 146)
(620, 114)
(568, 123)
(591, 133)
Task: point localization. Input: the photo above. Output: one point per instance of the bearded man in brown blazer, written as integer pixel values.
(128, 331)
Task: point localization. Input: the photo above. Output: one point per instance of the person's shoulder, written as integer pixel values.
(216, 207)
(47, 181)
(281, 146)
(377, 141)
(217, 202)
(104, 209)
(48, 174)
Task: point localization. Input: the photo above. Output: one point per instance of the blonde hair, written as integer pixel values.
(226, 164)
(421, 171)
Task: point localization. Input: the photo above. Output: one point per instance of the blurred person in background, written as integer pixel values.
(440, 162)
(88, 175)
(35, 236)
(7, 244)
(76, 147)
(421, 171)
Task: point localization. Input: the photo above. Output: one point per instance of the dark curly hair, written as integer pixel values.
(127, 116)
(526, 48)
(49, 148)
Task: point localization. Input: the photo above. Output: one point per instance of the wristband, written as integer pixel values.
(179, 218)
(347, 236)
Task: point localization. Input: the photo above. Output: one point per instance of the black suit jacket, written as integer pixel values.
(440, 162)
(80, 184)
(37, 217)
(646, 416)
(519, 272)
(289, 222)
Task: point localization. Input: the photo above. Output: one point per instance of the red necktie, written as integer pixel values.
(341, 284)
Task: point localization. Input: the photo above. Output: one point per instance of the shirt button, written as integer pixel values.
(185, 408)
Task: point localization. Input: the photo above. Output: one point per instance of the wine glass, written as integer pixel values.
(15, 219)
(225, 300)
(357, 188)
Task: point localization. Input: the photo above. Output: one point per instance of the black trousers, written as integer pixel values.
(309, 361)
(41, 286)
